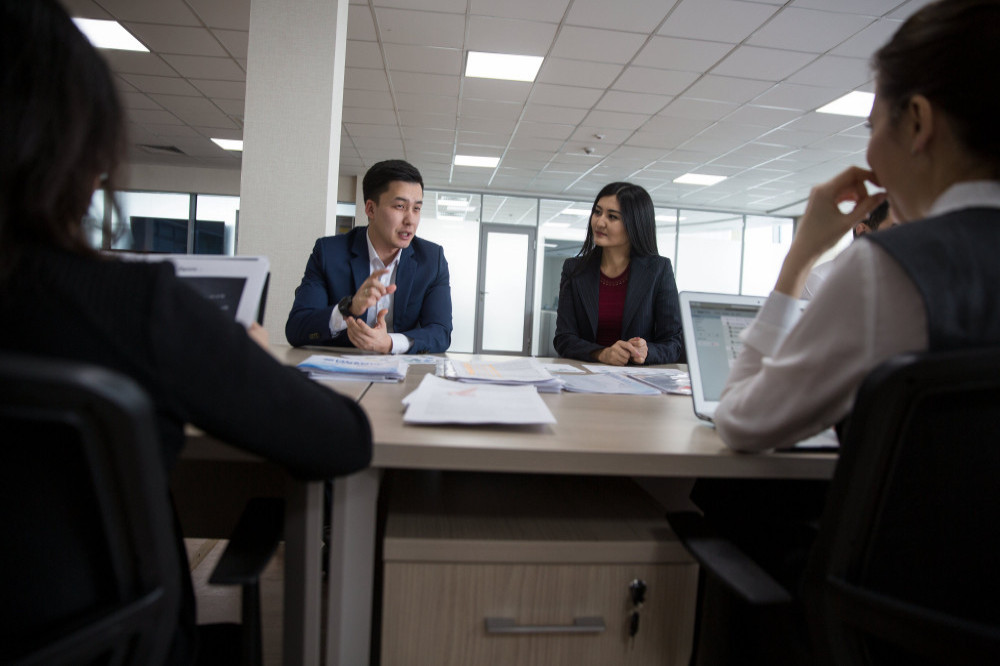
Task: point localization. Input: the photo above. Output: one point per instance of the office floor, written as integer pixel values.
(222, 603)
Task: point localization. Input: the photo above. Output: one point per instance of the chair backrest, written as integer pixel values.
(89, 569)
(906, 568)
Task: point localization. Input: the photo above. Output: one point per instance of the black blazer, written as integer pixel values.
(652, 311)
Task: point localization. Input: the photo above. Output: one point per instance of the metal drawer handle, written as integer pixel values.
(581, 625)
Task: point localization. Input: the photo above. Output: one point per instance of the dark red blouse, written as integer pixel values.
(610, 308)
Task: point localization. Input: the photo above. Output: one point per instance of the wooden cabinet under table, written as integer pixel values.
(530, 555)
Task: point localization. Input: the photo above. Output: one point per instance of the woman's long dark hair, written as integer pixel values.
(638, 216)
(61, 129)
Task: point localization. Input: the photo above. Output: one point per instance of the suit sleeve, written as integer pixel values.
(571, 339)
(667, 343)
(432, 335)
(309, 319)
(232, 389)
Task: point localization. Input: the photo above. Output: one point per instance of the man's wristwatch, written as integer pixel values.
(345, 306)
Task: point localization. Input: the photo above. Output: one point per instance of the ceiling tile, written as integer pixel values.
(591, 43)
(791, 96)
(635, 16)
(487, 125)
(366, 55)
(429, 60)
(161, 84)
(496, 35)
(372, 99)
(483, 109)
(550, 11)
(424, 84)
(360, 24)
(491, 89)
(153, 117)
(615, 119)
(753, 62)
(228, 14)
(716, 20)
(401, 26)
(654, 81)
(763, 116)
(198, 67)
(808, 30)
(864, 7)
(352, 114)
(869, 40)
(572, 96)
(454, 6)
(356, 78)
(630, 102)
(574, 73)
(195, 110)
(683, 107)
(132, 62)
(236, 42)
(689, 55)
(170, 12)
(481, 143)
(429, 120)
(552, 130)
(553, 114)
(834, 71)
(726, 89)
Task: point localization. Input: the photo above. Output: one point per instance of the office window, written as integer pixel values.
(765, 244)
(708, 251)
(216, 224)
(666, 233)
(151, 222)
(451, 220)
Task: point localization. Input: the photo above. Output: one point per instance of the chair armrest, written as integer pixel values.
(252, 543)
(722, 559)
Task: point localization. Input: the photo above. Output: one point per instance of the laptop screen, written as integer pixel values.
(712, 325)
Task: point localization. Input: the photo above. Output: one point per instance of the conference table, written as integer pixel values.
(594, 434)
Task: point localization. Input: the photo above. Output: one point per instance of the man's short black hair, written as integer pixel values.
(382, 173)
(876, 217)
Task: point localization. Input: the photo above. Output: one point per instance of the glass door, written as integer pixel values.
(505, 284)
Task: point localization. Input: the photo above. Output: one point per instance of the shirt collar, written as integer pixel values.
(374, 259)
(968, 194)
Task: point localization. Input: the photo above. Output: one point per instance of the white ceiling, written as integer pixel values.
(651, 88)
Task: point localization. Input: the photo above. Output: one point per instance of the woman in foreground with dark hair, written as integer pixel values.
(62, 134)
(617, 297)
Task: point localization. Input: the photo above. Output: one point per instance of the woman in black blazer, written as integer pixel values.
(617, 297)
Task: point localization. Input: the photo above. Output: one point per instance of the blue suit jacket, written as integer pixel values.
(337, 267)
(652, 311)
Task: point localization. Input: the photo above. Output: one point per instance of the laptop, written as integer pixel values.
(712, 325)
(238, 285)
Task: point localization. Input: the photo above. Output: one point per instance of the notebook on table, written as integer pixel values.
(712, 325)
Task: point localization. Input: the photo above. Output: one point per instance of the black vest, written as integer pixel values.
(954, 261)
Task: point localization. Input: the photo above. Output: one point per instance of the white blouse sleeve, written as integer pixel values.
(798, 376)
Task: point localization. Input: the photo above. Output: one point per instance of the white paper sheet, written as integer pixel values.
(439, 400)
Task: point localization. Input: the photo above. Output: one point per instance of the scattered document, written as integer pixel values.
(607, 383)
(675, 382)
(356, 367)
(518, 372)
(563, 368)
(439, 400)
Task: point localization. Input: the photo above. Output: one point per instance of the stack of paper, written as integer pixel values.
(607, 383)
(439, 400)
(365, 368)
(518, 372)
(666, 380)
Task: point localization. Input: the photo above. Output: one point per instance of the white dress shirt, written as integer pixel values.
(400, 343)
(798, 374)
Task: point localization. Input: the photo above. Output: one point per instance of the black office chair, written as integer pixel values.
(89, 568)
(905, 565)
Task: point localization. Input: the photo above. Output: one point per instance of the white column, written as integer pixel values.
(291, 151)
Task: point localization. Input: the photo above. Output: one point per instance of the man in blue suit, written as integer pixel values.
(379, 289)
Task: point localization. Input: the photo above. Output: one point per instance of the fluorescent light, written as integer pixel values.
(552, 245)
(229, 144)
(580, 212)
(502, 66)
(476, 161)
(698, 179)
(456, 205)
(852, 104)
(109, 35)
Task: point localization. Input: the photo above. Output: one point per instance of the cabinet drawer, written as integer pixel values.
(435, 614)
(536, 554)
